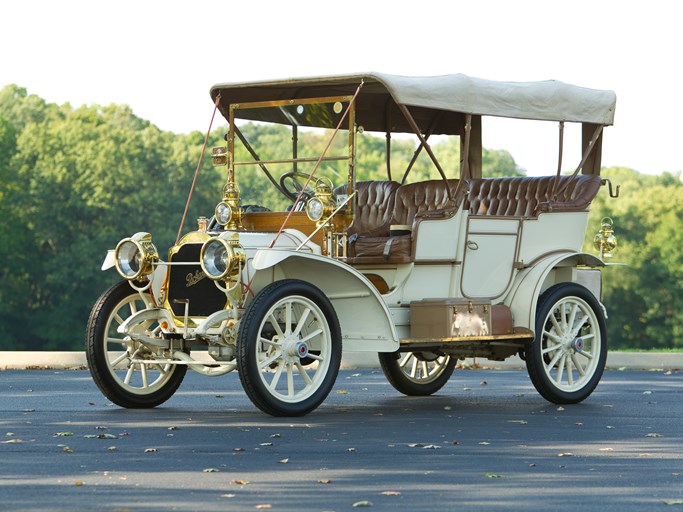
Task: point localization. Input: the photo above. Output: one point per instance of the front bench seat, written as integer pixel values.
(412, 203)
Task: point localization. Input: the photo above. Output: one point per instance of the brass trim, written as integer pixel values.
(292, 160)
(280, 103)
(194, 237)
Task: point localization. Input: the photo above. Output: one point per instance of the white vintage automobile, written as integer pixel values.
(424, 273)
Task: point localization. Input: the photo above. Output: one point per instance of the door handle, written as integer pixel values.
(472, 245)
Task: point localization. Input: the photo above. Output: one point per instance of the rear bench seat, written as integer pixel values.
(529, 196)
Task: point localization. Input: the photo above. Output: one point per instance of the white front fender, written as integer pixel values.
(109, 259)
(363, 315)
(159, 315)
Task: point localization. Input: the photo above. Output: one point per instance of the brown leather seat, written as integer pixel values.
(410, 204)
(530, 196)
(374, 205)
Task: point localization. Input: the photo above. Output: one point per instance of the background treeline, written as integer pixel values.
(74, 181)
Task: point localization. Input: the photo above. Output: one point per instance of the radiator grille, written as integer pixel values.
(188, 282)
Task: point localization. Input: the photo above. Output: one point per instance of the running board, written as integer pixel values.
(520, 335)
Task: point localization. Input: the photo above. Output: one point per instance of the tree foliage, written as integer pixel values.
(74, 181)
(643, 297)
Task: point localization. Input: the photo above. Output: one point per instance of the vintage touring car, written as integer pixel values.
(424, 273)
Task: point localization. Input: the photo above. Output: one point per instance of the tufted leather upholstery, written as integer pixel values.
(529, 196)
(374, 205)
(410, 203)
(383, 203)
(420, 197)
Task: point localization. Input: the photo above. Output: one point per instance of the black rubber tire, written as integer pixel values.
(536, 361)
(389, 361)
(248, 336)
(96, 354)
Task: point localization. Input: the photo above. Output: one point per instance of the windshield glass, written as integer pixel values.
(285, 140)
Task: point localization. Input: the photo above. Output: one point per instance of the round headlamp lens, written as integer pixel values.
(215, 259)
(314, 209)
(223, 213)
(128, 259)
(135, 256)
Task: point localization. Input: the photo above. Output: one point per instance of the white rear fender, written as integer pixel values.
(364, 318)
(530, 283)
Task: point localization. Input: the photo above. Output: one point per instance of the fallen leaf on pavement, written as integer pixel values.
(363, 503)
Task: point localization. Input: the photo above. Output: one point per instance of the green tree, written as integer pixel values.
(79, 180)
(644, 297)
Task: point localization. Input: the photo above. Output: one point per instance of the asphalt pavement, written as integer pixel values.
(486, 442)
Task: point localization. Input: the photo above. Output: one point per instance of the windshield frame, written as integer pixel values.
(348, 124)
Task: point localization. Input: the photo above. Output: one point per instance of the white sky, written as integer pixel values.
(161, 57)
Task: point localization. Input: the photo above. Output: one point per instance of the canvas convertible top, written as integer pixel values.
(549, 100)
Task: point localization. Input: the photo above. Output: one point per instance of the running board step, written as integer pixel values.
(519, 335)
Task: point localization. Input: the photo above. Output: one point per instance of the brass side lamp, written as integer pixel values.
(605, 241)
(321, 206)
(228, 212)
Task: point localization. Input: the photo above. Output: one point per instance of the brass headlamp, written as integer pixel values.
(135, 256)
(605, 241)
(222, 256)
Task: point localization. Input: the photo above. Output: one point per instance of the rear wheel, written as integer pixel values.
(289, 348)
(112, 356)
(566, 360)
(417, 373)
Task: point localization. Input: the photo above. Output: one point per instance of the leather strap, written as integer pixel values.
(387, 248)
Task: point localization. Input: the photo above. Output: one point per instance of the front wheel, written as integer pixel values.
(289, 348)
(417, 373)
(115, 360)
(567, 358)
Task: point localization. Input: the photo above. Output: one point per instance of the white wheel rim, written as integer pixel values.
(295, 321)
(421, 371)
(570, 344)
(120, 350)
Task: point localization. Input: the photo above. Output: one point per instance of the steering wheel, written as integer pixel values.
(297, 179)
